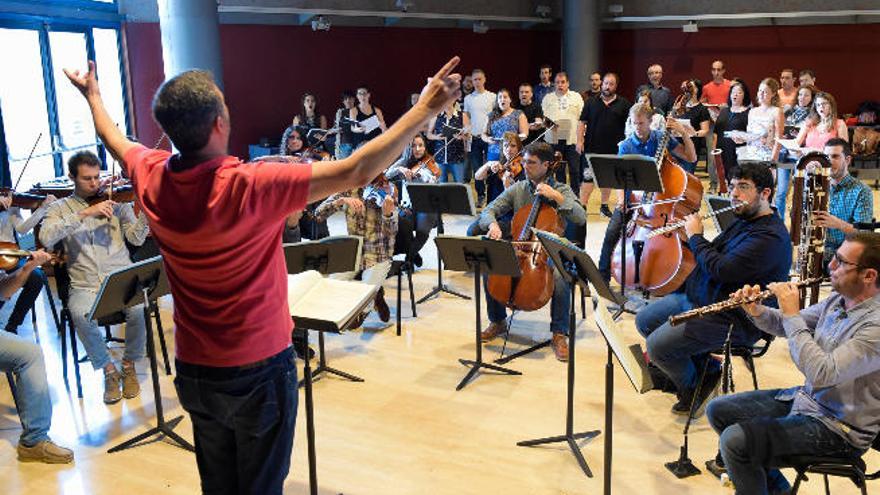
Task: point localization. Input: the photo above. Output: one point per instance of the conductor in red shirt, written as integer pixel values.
(218, 224)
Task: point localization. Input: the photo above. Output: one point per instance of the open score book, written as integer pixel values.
(311, 297)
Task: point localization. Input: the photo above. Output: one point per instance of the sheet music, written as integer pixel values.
(630, 357)
(371, 124)
(309, 295)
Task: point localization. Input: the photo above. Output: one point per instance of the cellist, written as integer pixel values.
(536, 162)
(643, 141)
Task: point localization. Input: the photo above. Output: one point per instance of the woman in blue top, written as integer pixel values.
(503, 118)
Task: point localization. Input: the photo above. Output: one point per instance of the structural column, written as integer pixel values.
(190, 37)
(580, 41)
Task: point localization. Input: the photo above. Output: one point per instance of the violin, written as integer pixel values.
(309, 155)
(514, 166)
(425, 166)
(377, 190)
(11, 256)
(28, 201)
(121, 194)
(534, 288)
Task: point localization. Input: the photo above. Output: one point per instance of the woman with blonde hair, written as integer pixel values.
(823, 124)
(766, 123)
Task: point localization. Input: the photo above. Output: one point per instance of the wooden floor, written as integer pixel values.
(405, 430)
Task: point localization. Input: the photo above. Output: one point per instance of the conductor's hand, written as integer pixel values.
(494, 231)
(442, 89)
(87, 83)
(788, 296)
(693, 224)
(102, 209)
(754, 308)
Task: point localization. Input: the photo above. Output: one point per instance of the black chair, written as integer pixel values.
(398, 268)
(853, 468)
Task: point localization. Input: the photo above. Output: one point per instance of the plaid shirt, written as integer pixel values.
(850, 201)
(377, 230)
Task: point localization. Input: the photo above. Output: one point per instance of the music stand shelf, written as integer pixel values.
(141, 283)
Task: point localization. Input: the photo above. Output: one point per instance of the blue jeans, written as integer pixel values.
(783, 179)
(29, 293)
(476, 159)
(681, 350)
(92, 337)
(456, 169)
(560, 304)
(243, 422)
(344, 150)
(25, 359)
(805, 436)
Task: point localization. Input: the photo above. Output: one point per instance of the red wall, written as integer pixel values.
(844, 57)
(266, 69)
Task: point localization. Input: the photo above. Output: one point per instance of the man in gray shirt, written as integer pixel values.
(536, 162)
(95, 247)
(836, 345)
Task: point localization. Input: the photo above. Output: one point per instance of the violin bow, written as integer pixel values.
(27, 162)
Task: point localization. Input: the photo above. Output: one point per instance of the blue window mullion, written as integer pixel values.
(51, 102)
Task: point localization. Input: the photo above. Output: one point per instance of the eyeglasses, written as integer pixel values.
(841, 261)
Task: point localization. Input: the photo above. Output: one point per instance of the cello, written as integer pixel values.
(534, 288)
(660, 264)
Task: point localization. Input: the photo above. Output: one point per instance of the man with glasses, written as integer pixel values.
(836, 345)
(756, 249)
(850, 201)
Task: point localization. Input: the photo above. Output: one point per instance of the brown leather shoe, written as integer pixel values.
(46, 452)
(560, 346)
(381, 306)
(495, 329)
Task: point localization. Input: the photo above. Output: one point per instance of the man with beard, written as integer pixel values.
(595, 86)
(532, 110)
(835, 345)
(756, 249)
(604, 120)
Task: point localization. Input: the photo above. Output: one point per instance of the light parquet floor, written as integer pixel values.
(405, 430)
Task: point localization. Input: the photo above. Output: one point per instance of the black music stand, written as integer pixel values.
(567, 260)
(480, 255)
(336, 254)
(721, 220)
(630, 173)
(451, 198)
(140, 283)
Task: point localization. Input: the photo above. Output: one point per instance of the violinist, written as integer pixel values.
(643, 141)
(536, 162)
(415, 166)
(371, 213)
(499, 175)
(94, 240)
(12, 223)
(301, 223)
(756, 249)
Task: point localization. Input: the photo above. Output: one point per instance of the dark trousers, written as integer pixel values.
(243, 421)
(476, 159)
(575, 173)
(609, 242)
(29, 292)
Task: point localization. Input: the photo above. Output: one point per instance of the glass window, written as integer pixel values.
(75, 127)
(109, 76)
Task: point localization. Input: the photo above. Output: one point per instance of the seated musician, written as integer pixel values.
(416, 166)
(371, 213)
(301, 223)
(756, 249)
(25, 359)
(850, 200)
(536, 162)
(834, 344)
(12, 223)
(94, 240)
(643, 141)
(499, 175)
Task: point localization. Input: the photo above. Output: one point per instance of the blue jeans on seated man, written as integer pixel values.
(560, 304)
(25, 359)
(681, 351)
(243, 422)
(29, 293)
(783, 179)
(803, 435)
(92, 337)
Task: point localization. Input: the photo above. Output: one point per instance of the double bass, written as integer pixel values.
(660, 264)
(534, 288)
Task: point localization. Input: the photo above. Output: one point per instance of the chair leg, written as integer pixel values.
(399, 298)
(797, 482)
(827, 488)
(412, 294)
(74, 352)
(11, 378)
(108, 336)
(750, 361)
(63, 331)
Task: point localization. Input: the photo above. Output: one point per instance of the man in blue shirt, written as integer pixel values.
(756, 249)
(643, 141)
(851, 201)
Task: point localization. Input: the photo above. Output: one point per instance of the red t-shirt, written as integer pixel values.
(218, 226)
(716, 94)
